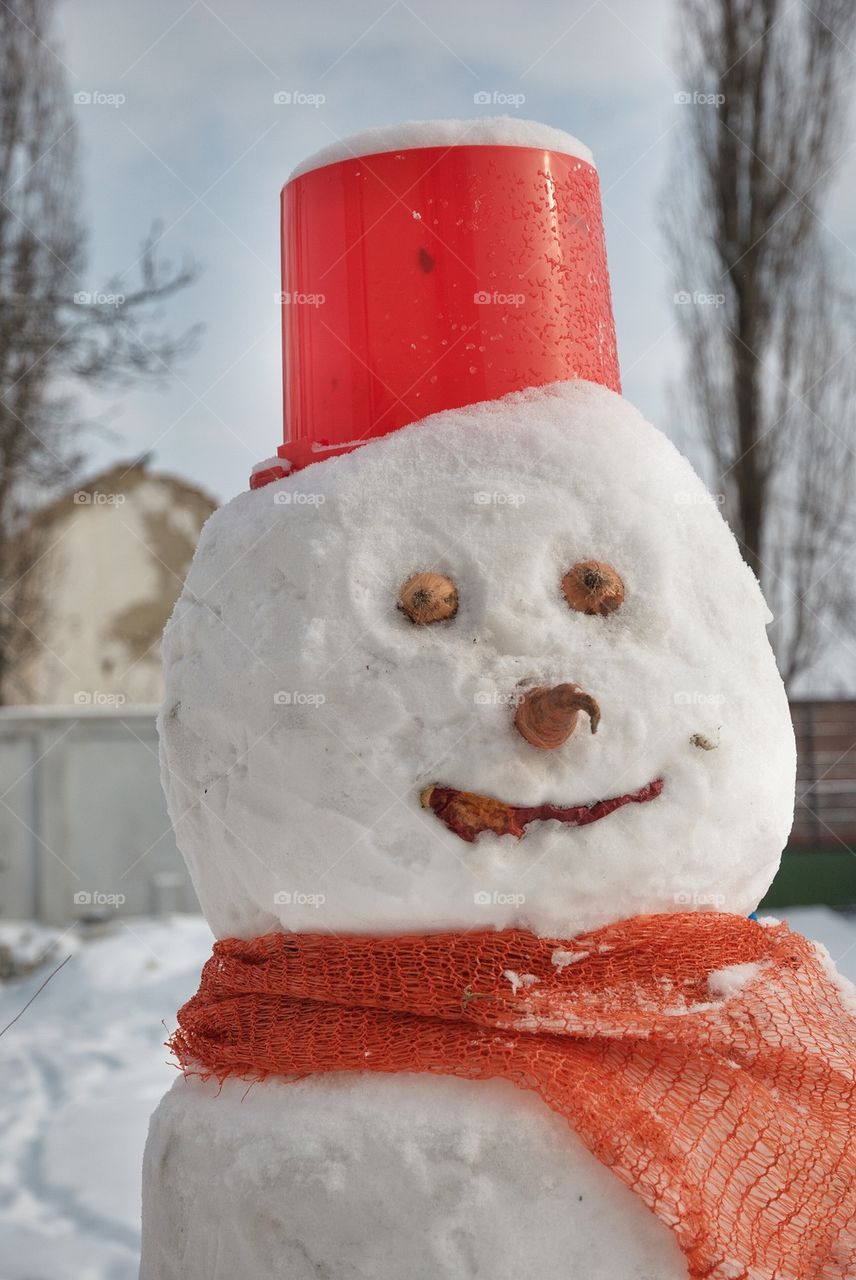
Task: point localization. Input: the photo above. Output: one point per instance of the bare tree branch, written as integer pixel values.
(56, 330)
(768, 377)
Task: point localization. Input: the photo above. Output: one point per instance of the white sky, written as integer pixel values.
(200, 144)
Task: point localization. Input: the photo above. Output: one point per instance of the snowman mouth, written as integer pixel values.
(468, 814)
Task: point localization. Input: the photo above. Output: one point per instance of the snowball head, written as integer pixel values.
(305, 713)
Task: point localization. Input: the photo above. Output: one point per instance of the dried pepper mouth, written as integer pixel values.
(468, 814)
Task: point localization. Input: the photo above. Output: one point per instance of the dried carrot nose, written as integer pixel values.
(547, 717)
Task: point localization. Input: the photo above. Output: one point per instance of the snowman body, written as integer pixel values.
(380, 1177)
(305, 717)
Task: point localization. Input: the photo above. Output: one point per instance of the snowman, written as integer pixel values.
(477, 752)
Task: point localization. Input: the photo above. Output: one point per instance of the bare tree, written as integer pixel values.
(55, 330)
(766, 324)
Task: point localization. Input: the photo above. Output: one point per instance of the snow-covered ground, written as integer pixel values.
(84, 1066)
(82, 1069)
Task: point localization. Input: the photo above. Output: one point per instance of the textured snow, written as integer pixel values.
(497, 131)
(729, 981)
(304, 713)
(519, 980)
(377, 1178)
(83, 1068)
(25, 944)
(561, 959)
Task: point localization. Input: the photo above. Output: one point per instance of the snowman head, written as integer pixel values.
(384, 672)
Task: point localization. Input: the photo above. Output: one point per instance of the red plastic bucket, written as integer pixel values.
(431, 278)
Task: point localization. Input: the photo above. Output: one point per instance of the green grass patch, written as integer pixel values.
(808, 877)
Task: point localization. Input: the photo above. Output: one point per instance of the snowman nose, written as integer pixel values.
(547, 717)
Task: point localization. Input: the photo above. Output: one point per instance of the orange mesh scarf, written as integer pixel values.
(708, 1060)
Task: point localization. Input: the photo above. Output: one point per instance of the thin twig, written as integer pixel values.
(33, 996)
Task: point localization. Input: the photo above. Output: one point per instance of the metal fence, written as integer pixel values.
(825, 814)
(84, 832)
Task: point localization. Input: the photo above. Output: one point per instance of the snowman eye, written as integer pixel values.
(428, 597)
(591, 586)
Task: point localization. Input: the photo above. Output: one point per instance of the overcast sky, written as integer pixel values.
(200, 144)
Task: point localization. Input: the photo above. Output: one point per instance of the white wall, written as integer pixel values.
(84, 831)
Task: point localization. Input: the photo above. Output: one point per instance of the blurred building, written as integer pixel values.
(116, 552)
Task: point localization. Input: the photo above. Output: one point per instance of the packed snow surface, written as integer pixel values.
(305, 713)
(84, 1067)
(382, 1177)
(496, 131)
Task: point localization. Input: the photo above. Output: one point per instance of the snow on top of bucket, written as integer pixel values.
(496, 131)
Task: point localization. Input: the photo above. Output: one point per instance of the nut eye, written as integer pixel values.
(593, 587)
(428, 597)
